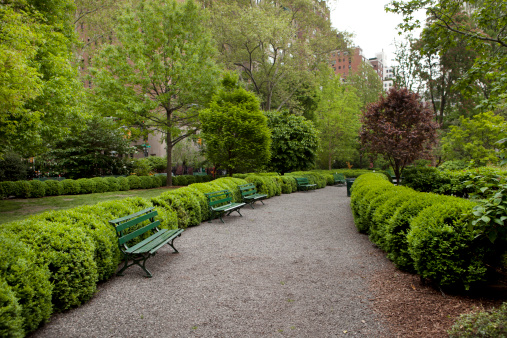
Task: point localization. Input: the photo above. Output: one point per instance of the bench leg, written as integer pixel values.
(135, 261)
(172, 246)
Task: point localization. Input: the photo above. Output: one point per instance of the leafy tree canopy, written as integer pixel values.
(39, 88)
(161, 71)
(235, 131)
(399, 127)
(475, 138)
(337, 119)
(295, 141)
(477, 24)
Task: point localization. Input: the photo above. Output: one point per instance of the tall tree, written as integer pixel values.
(480, 25)
(475, 138)
(337, 119)
(295, 141)
(160, 72)
(399, 127)
(39, 88)
(235, 131)
(367, 83)
(274, 45)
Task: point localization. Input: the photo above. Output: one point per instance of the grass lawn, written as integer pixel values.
(18, 209)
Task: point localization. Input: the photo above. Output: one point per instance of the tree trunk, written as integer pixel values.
(169, 152)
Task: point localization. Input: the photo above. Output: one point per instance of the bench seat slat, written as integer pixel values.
(256, 196)
(154, 242)
(229, 207)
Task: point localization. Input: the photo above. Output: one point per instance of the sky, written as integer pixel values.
(374, 29)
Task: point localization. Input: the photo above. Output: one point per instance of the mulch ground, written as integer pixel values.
(414, 308)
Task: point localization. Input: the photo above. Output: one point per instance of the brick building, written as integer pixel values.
(345, 63)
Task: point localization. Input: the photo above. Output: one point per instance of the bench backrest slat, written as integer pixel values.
(135, 221)
(247, 189)
(138, 232)
(219, 197)
(126, 218)
(302, 180)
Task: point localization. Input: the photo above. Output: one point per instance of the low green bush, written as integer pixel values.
(288, 184)
(155, 182)
(384, 212)
(173, 202)
(423, 179)
(364, 189)
(88, 186)
(97, 229)
(490, 324)
(71, 187)
(201, 198)
(189, 202)
(21, 189)
(11, 321)
(6, 189)
(204, 188)
(441, 243)
(28, 280)
(146, 182)
(53, 188)
(395, 240)
(101, 184)
(37, 189)
(112, 183)
(68, 253)
(454, 165)
(134, 182)
(123, 183)
(162, 180)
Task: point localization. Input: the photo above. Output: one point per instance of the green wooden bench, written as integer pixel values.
(303, 184)
(220, 203)
(250, 195)
(147, 247)
(339, 178)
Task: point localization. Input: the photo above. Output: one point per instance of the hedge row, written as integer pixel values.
(52, 261)
(461, 183)
(421, 232)
(34, 189)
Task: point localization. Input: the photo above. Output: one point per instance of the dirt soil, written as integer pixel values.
(415, 308)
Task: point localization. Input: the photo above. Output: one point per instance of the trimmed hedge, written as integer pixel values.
(11, 321)
(27, 280)
(53, 188)
(88, 186)
(421, 232)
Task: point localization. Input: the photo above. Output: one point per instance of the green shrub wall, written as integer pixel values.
(426, 233)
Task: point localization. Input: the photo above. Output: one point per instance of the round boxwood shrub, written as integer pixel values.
(37, 189)
(87, 185)
(53, 188)
(190, 179)
(100, 185)
(362, 186)
(71, 187)
(384, 195)
(398, 226)
(162, 180)
(11, 321)
(423, 179)
(68, 252)
(155, 182)
(134, 181)
(441, 243)
(173, 201)
(190, 202)
(97, 229)
(490, 324)
(22, 189)
(112, 183)
(145, 182)
(263, 184)
(363, 221)
(123, 182)
(287, 184)
(28, 280)
(383, 213)
(203, 200)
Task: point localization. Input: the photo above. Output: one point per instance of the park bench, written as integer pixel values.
(147, 247)
(303, 184)
(220, 203)
(339, 178)
(250, 195)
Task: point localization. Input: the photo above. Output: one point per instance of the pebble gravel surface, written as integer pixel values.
(294, 267)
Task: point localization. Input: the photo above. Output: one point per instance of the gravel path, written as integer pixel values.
(294, 267)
